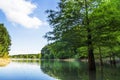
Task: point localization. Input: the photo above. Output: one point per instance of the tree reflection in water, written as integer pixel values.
(92, 75)
(76, 70)
(65, 70)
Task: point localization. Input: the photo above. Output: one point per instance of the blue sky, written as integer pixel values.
(26, 22)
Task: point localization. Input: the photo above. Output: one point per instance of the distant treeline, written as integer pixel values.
(33, 56)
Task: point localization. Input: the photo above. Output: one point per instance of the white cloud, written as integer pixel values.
(19, 11)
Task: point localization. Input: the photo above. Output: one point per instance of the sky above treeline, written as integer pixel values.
(26, 22)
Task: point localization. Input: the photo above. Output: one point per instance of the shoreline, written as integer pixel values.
(69, 59)
(4, 61)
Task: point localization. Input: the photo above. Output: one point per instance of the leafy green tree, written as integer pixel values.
(5, 41)
(73, 13)
(57, 49)
(105, 22)
(91, 24)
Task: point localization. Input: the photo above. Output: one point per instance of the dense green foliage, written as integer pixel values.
(27, 56)
(5, 41)
(84, 28)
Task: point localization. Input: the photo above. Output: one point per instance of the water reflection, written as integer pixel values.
(78, 71)
(65, 70)
(23, 70)
(108, 72)
(92, 75)
(56, 70)
(29, 61)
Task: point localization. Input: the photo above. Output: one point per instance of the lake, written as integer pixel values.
(56, 70)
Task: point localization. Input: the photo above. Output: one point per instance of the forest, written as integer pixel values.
(84, 29)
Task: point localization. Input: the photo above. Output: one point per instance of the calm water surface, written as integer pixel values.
(56, 70)
(23, 70)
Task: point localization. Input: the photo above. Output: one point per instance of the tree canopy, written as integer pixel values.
(85, 28)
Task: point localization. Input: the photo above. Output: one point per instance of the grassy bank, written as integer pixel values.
(4, 61)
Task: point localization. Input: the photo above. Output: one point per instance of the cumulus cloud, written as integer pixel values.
(19, 11)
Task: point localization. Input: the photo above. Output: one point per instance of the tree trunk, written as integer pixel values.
(91, 59)
(110, 59)
(113, 59)
(101, 61)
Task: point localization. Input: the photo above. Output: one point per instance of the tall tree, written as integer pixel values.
(96, 20)
(73, 13)
(105, 21)
(5, 41)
